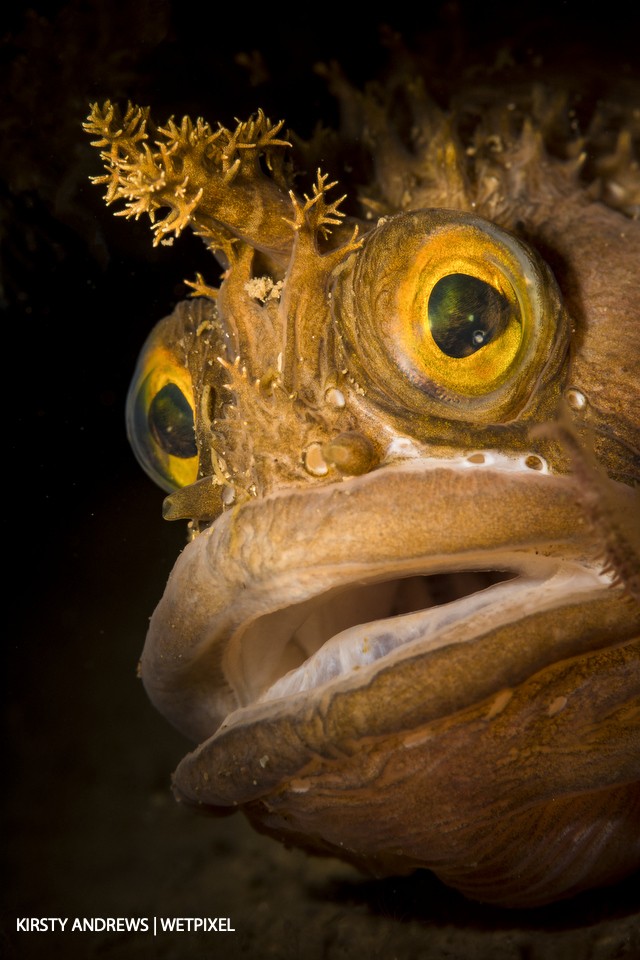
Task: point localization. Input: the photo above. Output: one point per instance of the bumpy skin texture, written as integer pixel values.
(344, 456)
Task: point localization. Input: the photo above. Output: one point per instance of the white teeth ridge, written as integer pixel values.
(455, 622)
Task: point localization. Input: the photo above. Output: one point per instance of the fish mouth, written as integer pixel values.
(300, 610)
(356, 627)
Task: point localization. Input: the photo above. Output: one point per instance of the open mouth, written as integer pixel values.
(299, 625)
(400, 687)
(304, 600)
(347, 632)
(348, 628)
(310, 587)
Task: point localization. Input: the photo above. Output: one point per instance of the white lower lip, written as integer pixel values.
(219, 641)
(458, 621)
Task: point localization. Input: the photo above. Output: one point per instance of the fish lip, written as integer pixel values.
(353, 654)
(282, 739)
(459, 621)
(244, 572)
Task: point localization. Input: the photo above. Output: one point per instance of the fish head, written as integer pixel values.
(405, 628)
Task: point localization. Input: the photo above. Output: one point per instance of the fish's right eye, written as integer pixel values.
(160, 416)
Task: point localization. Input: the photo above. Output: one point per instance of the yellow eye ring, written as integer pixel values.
(449, 315)
(160, 414)
(469, 279)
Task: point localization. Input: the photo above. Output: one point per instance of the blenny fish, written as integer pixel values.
(403, 429)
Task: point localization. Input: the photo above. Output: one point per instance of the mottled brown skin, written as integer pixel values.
(500, 746)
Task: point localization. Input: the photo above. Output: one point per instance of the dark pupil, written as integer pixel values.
(465, 314)
(170, 421)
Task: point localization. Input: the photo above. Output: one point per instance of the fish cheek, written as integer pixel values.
(595, 258)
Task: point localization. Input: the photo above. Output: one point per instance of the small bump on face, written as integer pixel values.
(576, 398)
(314, 462)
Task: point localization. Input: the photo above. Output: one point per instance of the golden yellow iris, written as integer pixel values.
(445, 277)
(160, 416)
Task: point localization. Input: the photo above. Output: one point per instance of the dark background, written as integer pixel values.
(91, 828)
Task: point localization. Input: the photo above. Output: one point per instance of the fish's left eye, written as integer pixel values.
(465, 314)
(450, 315)
(160, 415)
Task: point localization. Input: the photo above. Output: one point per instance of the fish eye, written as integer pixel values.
(170, 420)
(449, 314)
(160, 414)
(464, 329)
(466, 314)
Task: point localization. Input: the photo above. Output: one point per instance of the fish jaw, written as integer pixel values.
(254, 576)
(280, 730)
